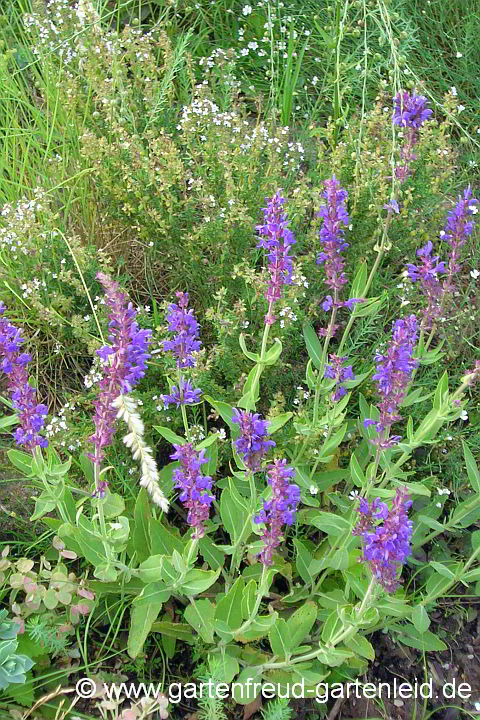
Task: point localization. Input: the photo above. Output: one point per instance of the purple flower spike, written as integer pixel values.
(278, 239)
(427, 274)
(186, 327)
(280, 510)
(30, 414)
(251, 444)
(386, 546)
(185, 396)
(125, 363)
(394, 370)
(334, 215)
(410, 110)
(340, 374)
(195, 487)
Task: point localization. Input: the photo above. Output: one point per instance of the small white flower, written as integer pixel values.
(439, 505)
(247, 10)
(475, 274)
(459, 54)
(313, 489)
(453, 90)
(464, 415)
(354, 495)
(460, 108)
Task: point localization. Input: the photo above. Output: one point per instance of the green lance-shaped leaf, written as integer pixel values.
(472, 469)
(233, 514)
(141, 620)
(199, 614)
(314, 347)
(229, 608)
(300, 623)
(169, 435)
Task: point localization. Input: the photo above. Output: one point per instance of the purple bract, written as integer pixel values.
(186, 395)
(410, 110)
(340, 374)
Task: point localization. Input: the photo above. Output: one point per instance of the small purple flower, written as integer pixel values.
(30, 414)
(340, 374)
(386, 546)
(125, 363)
(394, 370)
(251, 444)
(185, 396)
(195, 487)
(278, 239)
(335, 219)
(280, 510)
(410, 110)
(392, 206)
(186, 327)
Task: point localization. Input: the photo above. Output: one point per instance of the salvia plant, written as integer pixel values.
(277, 574)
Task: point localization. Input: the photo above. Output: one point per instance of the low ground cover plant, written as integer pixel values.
(234, 385)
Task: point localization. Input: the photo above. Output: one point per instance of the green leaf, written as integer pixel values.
(163, 542)
(331, 626)
(472, 469)
(114, 505)
(259, 628)
(226, 668)
(142, 618)
(361, 646)
(153, 593)
(279, 638)
(300, 623)
(212, 554)
(420, 618)
(424, 641)
(199, 614)
(169, 435)
(273, 354)
(356, 472)
(333, 657)
(248, 599)
(181, 631)
(430, 522)
(233, 515)
(329, 523)
(247, 685)
(197, 581)
(151, 569)
(229, 608)
(87, 467)
(142, 515)
(441, 392)
(359, 282)
(92, 546)
(8, 421)
(369, 307)
(22, 461)
(277, 422)
(251, 356)
(225, 411)
(43, 505)
(444, 570)
(314, 347)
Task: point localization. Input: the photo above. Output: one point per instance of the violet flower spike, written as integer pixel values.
(280, 510)
(457, 228)
(386, 544)
(334, 215)
(186, 327)
(195, 487)
(278, 239)
(410, 112)
(427, 273)
(394, 370)
(125, 363)
(251, 445)
(340, 374)
(186, 395)
(31, 414)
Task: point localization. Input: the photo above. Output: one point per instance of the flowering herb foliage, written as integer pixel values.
(386, 536)
(195, 487)
(14, 364)
(410, 112)
(336, 371)
(280, 510)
